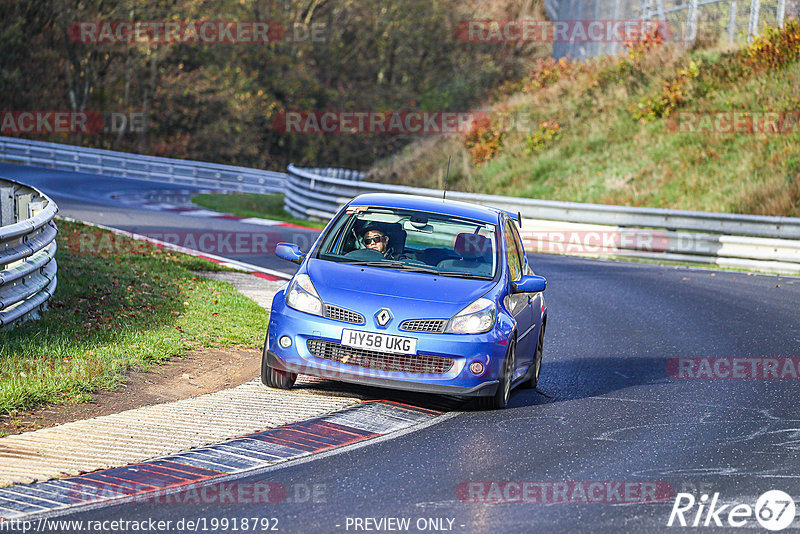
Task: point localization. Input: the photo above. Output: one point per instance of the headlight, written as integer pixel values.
(476, 318)
(303, 297)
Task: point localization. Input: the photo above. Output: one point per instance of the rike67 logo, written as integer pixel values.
(774, 510)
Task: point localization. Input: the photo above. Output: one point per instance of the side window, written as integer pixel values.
(512, 252)
(520, 246)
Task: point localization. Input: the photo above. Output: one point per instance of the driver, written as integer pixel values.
(375, 239)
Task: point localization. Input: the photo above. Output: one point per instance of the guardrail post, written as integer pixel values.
(35, 208)
(7, 215)
(22, 202)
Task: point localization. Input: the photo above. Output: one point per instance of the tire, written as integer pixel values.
(499, 400)
(275, 378)
(533, 381)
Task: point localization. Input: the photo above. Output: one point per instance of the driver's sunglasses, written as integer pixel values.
(370, 240)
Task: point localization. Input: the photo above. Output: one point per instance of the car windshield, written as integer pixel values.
(412, 240)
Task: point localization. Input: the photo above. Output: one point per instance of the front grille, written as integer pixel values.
(370, 359)
(435, 326)
(340, 314)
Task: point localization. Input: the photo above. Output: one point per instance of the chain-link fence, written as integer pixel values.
(733, 21)
(687, 21)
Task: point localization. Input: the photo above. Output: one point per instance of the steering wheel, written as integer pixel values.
(365, 254)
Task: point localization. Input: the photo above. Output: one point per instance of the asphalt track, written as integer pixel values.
(611, 409)
(94, 198)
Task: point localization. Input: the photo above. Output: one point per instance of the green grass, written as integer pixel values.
(252, 205)
(604, 155)
(120, 305)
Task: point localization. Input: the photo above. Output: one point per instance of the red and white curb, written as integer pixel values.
(175, 475)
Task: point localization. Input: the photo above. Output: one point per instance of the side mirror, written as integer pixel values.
(529, 284)
(290, 252)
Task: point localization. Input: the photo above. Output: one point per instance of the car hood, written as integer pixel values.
(408, 294)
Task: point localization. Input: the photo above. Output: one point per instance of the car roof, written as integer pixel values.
(434, 205)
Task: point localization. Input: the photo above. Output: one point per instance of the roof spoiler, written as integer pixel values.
(515, 216)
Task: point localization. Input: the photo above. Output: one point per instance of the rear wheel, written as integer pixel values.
(275, 378)
(533, 381)
(499, 400)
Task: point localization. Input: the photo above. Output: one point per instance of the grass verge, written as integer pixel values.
(120, 305)
(646, 128)
(252, 205)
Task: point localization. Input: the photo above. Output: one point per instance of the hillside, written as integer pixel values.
(218, 99)
(648, 128)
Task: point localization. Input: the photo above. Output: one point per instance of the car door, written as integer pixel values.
(518, 304)
(535, 300)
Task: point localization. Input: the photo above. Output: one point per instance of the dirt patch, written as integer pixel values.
(197, 373)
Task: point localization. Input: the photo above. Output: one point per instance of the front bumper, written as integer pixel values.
(489, 349)
(486, 389)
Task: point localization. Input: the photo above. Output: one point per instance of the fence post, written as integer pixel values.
(752, 30)
(781, 12)
(732, 24)
(691, 25)
(615, 44)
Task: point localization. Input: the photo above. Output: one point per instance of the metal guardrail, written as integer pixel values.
(125, 165)
(27, 251)
(744, 241)
(770, 244)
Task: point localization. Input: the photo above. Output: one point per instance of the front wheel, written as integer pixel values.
(275, 378)
(499, 400)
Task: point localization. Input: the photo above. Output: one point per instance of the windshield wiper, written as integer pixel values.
(372, 263)
(396, 265)
(419, 269)
(457, 274)
(416, 268)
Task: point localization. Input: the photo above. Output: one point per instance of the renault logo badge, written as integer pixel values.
(383, 317)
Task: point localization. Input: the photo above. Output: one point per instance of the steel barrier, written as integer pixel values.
(126, 165)
(770, 244)
(731, 240)
(27, 251)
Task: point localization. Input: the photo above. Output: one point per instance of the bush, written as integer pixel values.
(775, 47)
(672, 94)
(546, 134)
(484, 140)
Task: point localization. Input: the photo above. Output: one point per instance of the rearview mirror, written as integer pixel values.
(418, 226)
(529, 284)
(290, 252)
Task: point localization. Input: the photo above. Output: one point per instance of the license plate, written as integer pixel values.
(379, 342)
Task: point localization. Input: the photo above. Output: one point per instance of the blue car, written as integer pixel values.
(411, 293)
